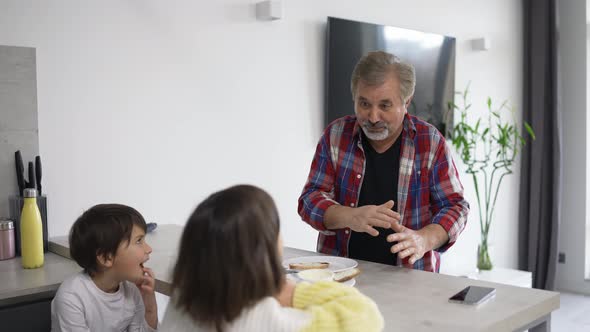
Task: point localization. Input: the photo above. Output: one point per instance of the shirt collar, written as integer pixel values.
(409, 126)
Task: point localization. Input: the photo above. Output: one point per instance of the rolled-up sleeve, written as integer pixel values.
(318, 192)
(448, 206)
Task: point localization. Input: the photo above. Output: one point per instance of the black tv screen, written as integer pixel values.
(432, 55)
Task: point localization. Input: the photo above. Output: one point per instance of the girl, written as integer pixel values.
(229, 277)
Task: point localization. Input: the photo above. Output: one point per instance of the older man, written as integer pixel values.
(383, 186)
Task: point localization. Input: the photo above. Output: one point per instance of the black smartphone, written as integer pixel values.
(473, 295)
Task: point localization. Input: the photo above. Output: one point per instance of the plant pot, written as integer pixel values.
(483, 256)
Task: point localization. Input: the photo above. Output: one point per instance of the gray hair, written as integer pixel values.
(374, 67)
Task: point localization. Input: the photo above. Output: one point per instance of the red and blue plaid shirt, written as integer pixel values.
(429, 189)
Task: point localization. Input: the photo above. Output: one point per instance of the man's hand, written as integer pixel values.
(415, 244)
(147, 287)
(362, 219)
(366, 218)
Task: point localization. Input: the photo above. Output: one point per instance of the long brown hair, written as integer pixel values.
(228, 257)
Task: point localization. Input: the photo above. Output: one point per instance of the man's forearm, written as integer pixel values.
(436, 236)
(335, 217)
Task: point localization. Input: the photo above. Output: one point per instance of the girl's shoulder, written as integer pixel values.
(273, 316)
(267, 315)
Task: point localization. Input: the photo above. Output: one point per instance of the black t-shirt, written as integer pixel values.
(379, 186)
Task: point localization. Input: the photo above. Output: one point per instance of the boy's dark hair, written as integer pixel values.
(228, 258)
(99, 231)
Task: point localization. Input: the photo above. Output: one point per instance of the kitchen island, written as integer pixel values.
(410, 300)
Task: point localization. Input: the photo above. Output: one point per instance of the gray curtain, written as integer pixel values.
(540, 185)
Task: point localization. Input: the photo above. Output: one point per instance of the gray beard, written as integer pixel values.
(376, 136)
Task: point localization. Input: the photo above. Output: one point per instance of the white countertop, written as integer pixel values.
(500, 275)
(410, 300)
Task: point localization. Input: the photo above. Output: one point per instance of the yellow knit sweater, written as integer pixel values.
(336, 307)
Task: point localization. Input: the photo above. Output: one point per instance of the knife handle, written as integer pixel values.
(38, 173)
(31, 183)
(20, 169)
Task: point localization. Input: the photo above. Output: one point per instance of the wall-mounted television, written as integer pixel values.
(432, 55)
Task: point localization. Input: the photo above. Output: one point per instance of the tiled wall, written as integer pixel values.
(18, 116)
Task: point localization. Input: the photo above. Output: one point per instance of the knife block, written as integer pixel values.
(16, 207)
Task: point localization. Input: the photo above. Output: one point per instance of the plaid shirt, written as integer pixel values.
(429, 188)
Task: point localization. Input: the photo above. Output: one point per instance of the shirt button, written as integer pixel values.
(347, 231)
(358, 176)
(352, 204)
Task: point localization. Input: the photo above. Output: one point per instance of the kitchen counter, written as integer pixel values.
(410, 300)
(21, 285)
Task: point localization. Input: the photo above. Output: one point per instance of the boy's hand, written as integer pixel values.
(147, 287)
(147, 283)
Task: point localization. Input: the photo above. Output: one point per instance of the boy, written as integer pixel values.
(115, 292)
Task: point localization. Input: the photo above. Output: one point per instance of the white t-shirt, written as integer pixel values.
(265, 316)
(79, 305)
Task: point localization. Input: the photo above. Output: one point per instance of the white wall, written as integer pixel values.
(158, 103)
(572, 237)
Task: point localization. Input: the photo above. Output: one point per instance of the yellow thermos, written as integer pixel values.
(31, 232)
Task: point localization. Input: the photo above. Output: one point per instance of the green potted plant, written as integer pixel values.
(488, 149)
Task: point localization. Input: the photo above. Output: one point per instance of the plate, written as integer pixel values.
(350, 282)
(337, 264)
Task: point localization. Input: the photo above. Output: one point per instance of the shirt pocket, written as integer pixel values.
(420, 181)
